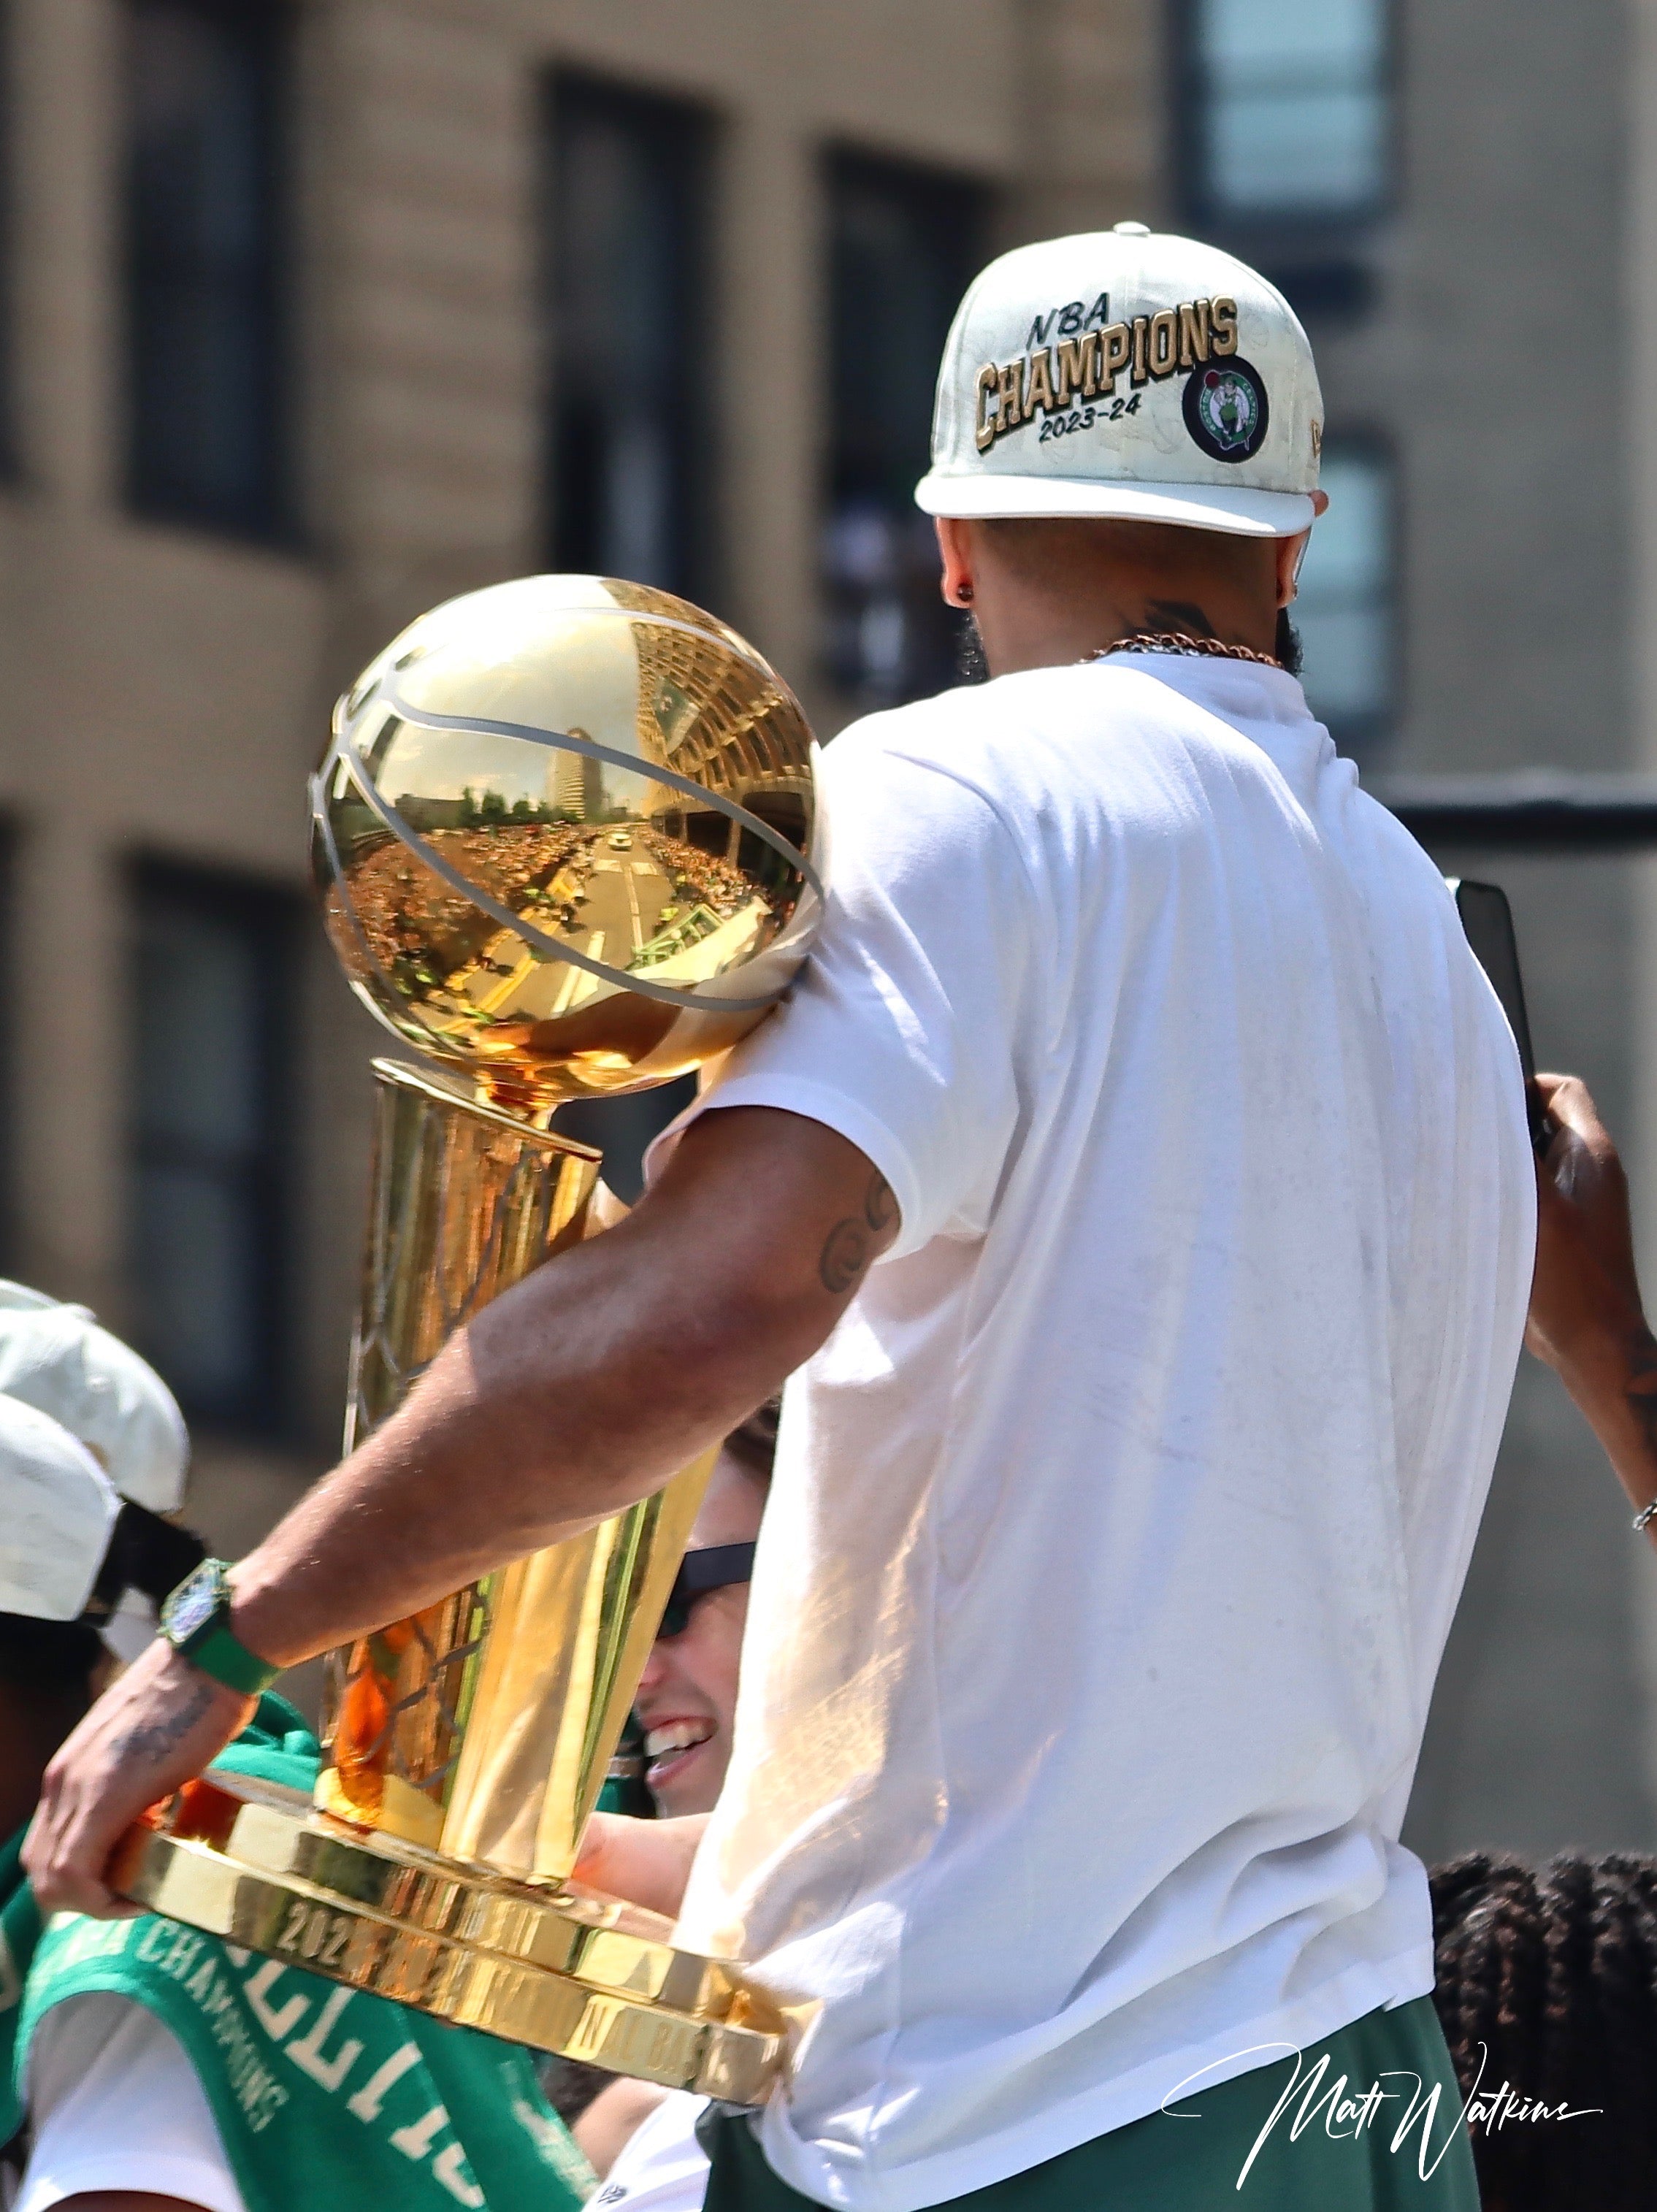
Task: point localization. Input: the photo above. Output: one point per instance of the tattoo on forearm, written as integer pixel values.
(156, 1742)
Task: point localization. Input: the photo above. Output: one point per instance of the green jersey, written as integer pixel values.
(323, 2096)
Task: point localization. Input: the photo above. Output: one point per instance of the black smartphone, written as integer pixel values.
(1488, 920)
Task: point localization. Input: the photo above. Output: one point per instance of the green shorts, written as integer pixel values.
(1331, 2148)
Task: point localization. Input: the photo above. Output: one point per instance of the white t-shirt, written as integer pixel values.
(661, 2167)
(115, 2105)
(1117, 1528)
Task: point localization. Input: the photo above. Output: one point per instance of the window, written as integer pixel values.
(207, 429)
(626, 294)
(1345, 613)
(1288, 109)
(210, 997)
(904, 244)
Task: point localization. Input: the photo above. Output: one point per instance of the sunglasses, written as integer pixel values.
(716, 1568)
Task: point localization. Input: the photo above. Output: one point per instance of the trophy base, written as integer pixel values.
(547, 1964)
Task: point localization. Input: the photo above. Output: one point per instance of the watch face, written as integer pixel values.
(193, 1604)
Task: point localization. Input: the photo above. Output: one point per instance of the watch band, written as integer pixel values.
(196, 1622)
(228, 1660)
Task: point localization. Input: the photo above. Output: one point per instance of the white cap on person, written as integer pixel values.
(57, 1358)
(1127, 373)
(58, 1512)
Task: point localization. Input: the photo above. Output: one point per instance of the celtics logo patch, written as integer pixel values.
(1226, 411)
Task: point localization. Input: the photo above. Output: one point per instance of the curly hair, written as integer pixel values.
(1547, 1982)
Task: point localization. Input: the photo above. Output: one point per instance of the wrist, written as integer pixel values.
(1611, 1360)
(1617, 1396)
(257, 1613)
(196, 1621)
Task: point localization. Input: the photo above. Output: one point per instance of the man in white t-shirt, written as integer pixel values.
(1140, 1172)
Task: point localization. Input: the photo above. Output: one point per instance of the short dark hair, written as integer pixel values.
(753, 1443)
(1042, 547)
(1550, 1979)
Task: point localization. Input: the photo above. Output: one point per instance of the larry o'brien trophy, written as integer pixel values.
(563, 836)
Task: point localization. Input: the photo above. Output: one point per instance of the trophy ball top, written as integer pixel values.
(565, 837)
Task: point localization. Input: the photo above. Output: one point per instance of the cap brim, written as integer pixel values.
(1241, 513)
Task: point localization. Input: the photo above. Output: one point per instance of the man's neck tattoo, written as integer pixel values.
(1178, 641)
(1180, 626)
(1184, 617)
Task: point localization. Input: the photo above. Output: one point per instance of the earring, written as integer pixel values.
(963, 596)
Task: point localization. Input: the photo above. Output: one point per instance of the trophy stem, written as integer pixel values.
(483, 1727)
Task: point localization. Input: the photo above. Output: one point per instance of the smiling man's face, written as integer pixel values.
(687, 1692)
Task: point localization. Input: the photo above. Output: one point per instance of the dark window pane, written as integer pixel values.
(203, 982)
(205, 224)
(210, 996)
(201, 1305)
(904, 243)
(629, 424)
(1291, 108)
(1344, 611)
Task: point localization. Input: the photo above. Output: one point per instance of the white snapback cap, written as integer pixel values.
(1131, 373)
(57, 1511)
(57, 1360)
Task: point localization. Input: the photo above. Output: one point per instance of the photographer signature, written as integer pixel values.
(1346, 2111)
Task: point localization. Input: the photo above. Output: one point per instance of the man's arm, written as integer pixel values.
(610, 2123)
(1586, 1317)
(578, 1392)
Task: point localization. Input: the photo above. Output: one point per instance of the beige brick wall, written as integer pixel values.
(1095, 113)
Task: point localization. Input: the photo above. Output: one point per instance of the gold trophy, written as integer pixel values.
(564, 838)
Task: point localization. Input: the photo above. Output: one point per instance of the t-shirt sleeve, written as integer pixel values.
(116, 2107)
(904, 1031)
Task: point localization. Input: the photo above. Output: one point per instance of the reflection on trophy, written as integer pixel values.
(563, 835)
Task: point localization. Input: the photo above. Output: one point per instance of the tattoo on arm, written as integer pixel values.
(849, 1245)
(166, 1735)
(879, 1206)
(844, 1256)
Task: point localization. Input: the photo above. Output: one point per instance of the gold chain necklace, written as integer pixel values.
(1176, 641)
